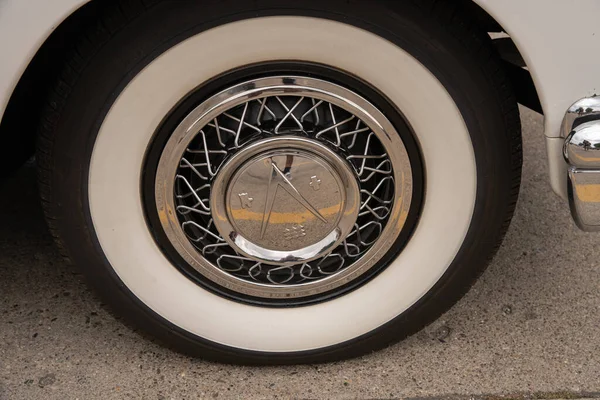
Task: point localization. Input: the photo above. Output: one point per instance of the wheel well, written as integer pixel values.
(24, 110)
(513, 61)
(21, 119)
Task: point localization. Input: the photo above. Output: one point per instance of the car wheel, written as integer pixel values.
(281, 182)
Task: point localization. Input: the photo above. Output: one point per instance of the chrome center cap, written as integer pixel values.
(285, 200)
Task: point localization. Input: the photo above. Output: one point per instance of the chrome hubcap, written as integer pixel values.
(285, 200)
(283, 187)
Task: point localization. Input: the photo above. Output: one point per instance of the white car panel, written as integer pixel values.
(559, 41)
(24, 27)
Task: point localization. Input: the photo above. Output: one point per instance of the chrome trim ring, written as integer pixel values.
(323, 122)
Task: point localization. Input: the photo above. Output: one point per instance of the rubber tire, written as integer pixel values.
(434, 32)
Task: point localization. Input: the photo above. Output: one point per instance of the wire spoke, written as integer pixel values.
(263, 108)
(289, 113)
(313, 109)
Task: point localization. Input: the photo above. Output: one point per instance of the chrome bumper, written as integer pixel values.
(581, 129)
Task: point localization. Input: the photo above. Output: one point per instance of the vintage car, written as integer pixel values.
(275, 181)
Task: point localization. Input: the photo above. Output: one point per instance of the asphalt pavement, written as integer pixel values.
(528, 329)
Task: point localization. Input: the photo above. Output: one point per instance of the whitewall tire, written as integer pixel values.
(464, 126)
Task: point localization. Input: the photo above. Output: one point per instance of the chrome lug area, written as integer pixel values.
(581, 129)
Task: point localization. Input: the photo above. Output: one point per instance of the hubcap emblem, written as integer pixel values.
(315, 183)
(278, 179)
(279, 185)
(246, 200)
